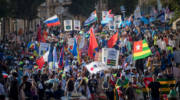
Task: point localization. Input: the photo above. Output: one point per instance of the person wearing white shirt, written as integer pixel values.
(171, 42)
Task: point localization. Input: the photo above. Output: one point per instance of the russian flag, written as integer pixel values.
(41, 61)
(52, 21)
(5, 75)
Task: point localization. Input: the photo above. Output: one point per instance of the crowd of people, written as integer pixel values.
(21, 79)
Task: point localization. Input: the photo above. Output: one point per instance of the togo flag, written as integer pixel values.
(141, 50)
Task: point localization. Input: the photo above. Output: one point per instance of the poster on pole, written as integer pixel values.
(44, 47)
(104, 13)
(70, 43)
(110, 57)
(68, 25)
(117, 20)
(112, 25)
(77, 25)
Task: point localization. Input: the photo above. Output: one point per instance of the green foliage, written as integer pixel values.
(130, 6)
(25, 9)
(21, 9)
(4, 10)
(174, 5)
(82, 7)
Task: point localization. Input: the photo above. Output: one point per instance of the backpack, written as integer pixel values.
(70, 85)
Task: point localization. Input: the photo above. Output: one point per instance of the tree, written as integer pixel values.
(4, 8)
(25, 9)
(82, 7)
(173, 5)
(130, 6)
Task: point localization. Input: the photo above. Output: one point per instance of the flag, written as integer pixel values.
(74, 49)
(50, 57)
(161, 16)
(82, 43)
(144, 20)
(147, 80)
(165, 85)
(36, 50)
(41, 61)
(92, 44)
(91, 19)
(52, 21)
(39, 34)
(108, 18)
(112, 41)
(78, 56)
(31, 45)
(55, 63)
(137, 12)
(141, 50)
(95, 67)
(61, 64)
(44, 36)
(159, 5)
(5, 75)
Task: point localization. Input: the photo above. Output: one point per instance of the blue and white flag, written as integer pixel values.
(55, 63)
(50, 57)
(91, 19)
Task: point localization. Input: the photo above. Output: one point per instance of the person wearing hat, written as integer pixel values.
(127, 72)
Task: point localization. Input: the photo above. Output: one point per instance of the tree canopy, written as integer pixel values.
(82, 7)
(129, 5)
(4, 8)
(21, 9)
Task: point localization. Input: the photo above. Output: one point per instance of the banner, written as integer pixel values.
(68, 25)
(104, 13)
(43, 48)
(70, 42)
(110, 57)
(95, 67)
(77, 25)
(137, 12)
(117, 20)
(112, 25)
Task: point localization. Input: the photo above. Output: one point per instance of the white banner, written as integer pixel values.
(112, 25)
(68, 25)
(117, 20)
(43, 48)
(137, 12)
(110, 56)
(104, 13)
(70, 42)
(95, 67)
(77, 25)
